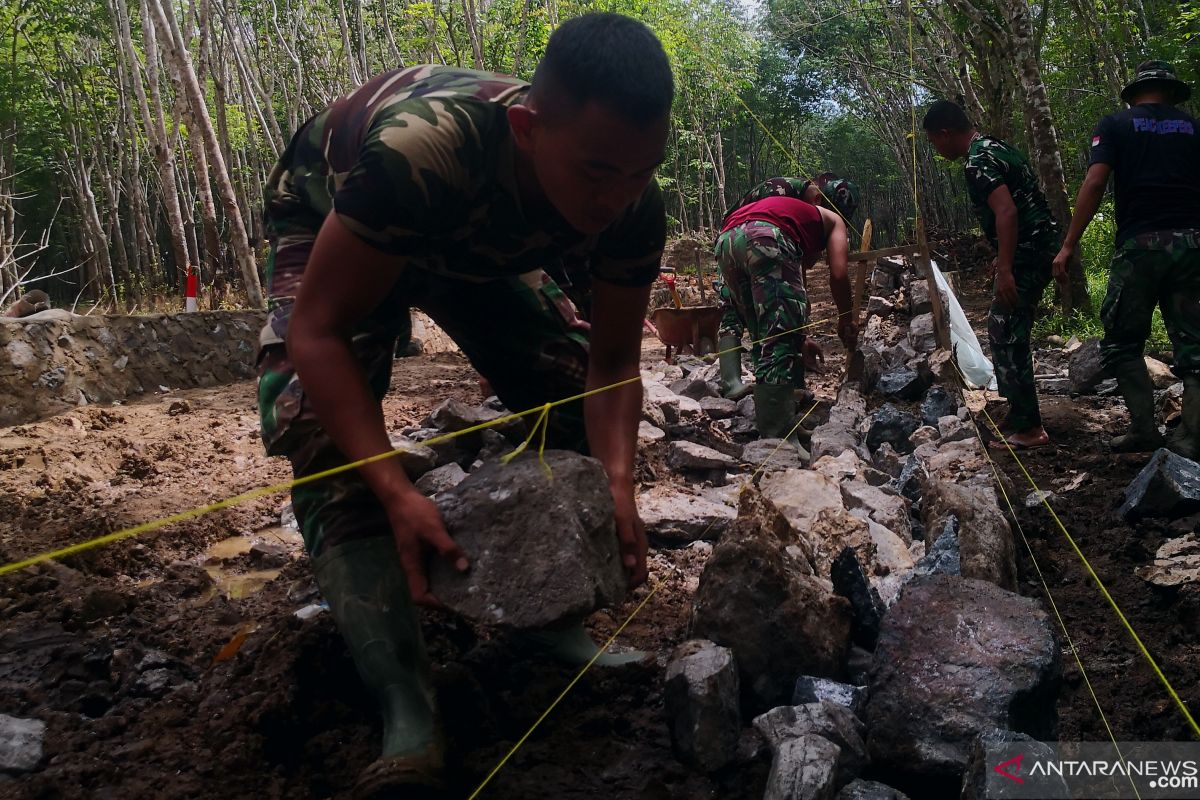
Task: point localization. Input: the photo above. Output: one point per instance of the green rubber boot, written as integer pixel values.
(732, 387)
(1134, 382)
(1185, 439)
(571, 645)
(367, 592)
(775, 413)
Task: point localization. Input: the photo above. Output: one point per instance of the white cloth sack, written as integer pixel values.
(975, 366)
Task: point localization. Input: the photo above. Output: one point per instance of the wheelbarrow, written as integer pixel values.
(690, 329)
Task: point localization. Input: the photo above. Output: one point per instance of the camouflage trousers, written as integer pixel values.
(762, 268)
(1009, 331)
(511, 329)
(1155, 269)
(731, 323)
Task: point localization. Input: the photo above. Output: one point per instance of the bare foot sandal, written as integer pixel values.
(1021, 441)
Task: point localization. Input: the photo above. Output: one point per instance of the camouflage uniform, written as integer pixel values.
(1158, 268)
(765, 279)
(992, 163)
(418, 162)
(842, 193)
(732, 324)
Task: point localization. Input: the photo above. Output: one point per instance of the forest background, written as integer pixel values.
(135, 134)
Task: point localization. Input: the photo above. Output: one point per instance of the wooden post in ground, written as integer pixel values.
(941, 326)
(860, 273)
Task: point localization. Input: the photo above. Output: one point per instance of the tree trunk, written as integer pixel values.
(152, 120)
(1040, 122)
(241, 243)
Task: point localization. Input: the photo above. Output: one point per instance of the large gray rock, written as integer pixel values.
(718, 407)
(804, 769)
(648, 434)
(440, 479)
(416, 458)
(955, 657)
(942, 558)
(994, 746)
(765, 605)
(920, 334)
(702, 705)
(836, 435)
(543, 548)
(675, 518)
(918, 297)
(869, 790)
(903, 383)
(694, 387)
(801, 495)
(882, 504)
(986, 547)
(1168, 486)
(20, 743)
(814, 690)
(849, 466)
(454, 415)
(890, 424)
(850, 581)
(880, 307)
(1084, 369)
(692, 456)
(772, 455)
(660, 403)
(823, 718)
(938, 403)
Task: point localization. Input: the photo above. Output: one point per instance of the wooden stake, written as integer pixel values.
(941, 329)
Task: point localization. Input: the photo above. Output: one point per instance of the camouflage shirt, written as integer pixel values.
(419, 163)
(843, 194)
(992, 163)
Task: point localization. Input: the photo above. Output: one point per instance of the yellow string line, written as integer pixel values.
(254, 494)
(1099, 583)
(1046, 588)
(783, 441)
(717, 73)
(607, 644)
(1053, 605)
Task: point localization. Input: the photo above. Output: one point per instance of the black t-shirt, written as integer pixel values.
(1154, 152)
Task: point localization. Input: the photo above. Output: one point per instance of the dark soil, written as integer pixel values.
(156, 683)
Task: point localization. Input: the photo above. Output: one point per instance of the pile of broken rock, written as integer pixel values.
(860, 612)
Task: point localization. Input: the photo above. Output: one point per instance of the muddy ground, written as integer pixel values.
(172, 665)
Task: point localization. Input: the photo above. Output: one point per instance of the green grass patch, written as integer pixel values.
(1096, 250)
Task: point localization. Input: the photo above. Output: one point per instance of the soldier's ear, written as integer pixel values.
(522, 120)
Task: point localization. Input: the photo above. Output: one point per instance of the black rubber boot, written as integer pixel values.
(1185, 439)
(367, 592)
(571, 645)
(731, 368)
(775, 413)
(1134, 382)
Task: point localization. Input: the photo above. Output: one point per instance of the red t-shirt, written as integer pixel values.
(800, 221)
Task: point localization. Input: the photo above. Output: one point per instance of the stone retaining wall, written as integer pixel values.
(56, 360)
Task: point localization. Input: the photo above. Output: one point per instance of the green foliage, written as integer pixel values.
(1096, 251)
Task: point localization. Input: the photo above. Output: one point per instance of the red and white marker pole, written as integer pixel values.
(193, 284)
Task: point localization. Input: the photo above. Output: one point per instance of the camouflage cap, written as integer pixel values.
(1156, 73)
(842, 192)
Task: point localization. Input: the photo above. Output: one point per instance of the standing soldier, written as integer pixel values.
(450, 190)
(1152, 150)
(763, 251)
(1013, 213)
(826, 190)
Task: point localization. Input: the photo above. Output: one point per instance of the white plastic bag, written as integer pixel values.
(975, 366)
